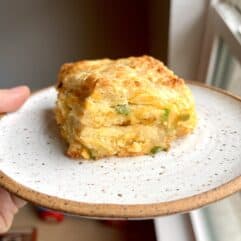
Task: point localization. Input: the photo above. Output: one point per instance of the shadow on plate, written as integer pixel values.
(51, 132)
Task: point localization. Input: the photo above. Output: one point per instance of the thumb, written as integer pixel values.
(12, 99)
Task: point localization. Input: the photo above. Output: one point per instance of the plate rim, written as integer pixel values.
(125, 211)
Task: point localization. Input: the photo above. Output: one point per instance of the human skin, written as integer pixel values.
(10, 100)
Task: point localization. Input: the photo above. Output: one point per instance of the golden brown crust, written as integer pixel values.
(142, 64)
(77, 155)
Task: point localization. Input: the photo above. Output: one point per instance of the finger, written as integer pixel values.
(6, 220)
(12, 99)
(18, 202)
(7, 210)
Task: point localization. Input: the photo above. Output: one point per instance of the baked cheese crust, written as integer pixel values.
(125, 107)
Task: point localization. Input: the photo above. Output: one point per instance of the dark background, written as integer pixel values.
(38, 36)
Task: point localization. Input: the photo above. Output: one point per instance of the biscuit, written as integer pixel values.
(125, 107)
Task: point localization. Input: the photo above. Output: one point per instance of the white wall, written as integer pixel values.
(187, 23)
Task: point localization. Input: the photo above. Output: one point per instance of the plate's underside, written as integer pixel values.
(200, 168)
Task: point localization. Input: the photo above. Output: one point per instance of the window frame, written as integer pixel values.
(223, 21)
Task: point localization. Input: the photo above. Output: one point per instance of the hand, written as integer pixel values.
(10, 100)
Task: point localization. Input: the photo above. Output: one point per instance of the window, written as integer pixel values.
(227, 70)
(220, 66)
(221, 58)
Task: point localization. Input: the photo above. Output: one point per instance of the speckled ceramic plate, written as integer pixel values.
(199, 169)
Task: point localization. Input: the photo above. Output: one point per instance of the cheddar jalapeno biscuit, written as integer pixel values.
(125, 107)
